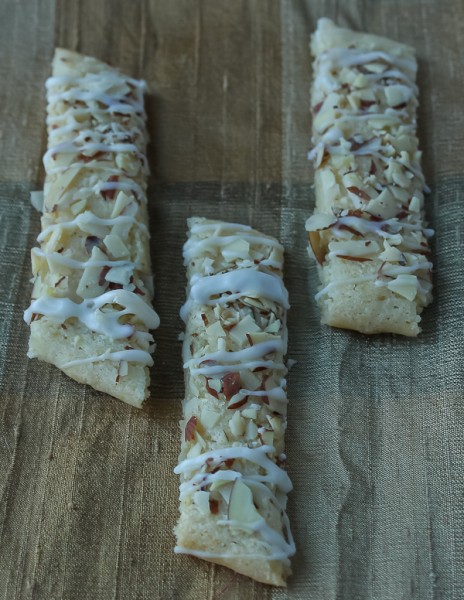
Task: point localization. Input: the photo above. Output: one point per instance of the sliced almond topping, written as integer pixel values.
(237, 401)
(250, 381)
(78, 207)
(250, 413)
(239, 331)
(237, 425)
(320, 221)
(241, 506)
(404, 285)
(354, 258)
(209, 418)
(213, 505)
(318, 248)
(201, 500)
(190, 428)
(194, 451)
(120, 275)
(231, 384)
(116, 246)
(215, 330)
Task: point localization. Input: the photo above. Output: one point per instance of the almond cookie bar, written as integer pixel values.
(233, 490)
(367, 233)
(91, 302)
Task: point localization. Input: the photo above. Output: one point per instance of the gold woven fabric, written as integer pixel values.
(375, 437)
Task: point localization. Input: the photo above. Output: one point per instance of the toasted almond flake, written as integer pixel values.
(209, 418)
(116, 246)
(241, 506)
(231, 384)
(250, 413)
(415, 205)
(244, 326)
(250, 381)
(237, 424)
(404, 285)
(215, 330)
(78, 207)
(120, 275)
(213, 506)
(194, 451)
(319, 249)
(37, 200)
(251, 431)
(201, 500)
(122, 200)
(320, 221)
(237, 401)
(191, 428)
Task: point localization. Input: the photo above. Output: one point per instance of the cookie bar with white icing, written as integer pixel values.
(234, 488)
(368, 233)
(91, 302)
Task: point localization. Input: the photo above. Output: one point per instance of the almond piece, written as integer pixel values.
(201, 500)
(244, 326)
(319, 249)
(404, 285)
(241, 507)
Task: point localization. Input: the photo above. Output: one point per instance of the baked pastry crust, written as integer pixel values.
(368, 233)
(233, 487)
(91, 303)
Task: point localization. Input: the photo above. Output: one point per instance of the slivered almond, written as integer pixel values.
(358, 192)
(316, 246)
(354, 258)
(190, 429)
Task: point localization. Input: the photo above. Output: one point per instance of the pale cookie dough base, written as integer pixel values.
(364, 307)
(53, 344)
(328, 35)
(196, 531)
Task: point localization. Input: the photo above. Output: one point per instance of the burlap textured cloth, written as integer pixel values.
(375, 440)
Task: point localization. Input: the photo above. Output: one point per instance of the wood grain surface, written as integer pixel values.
(88, 499)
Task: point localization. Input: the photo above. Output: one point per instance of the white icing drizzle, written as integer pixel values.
(392, 114)
(385, 228)
(240, 282)
(78, 264)
(252, 364)
(88, 312)
(113, 134)
(276, 547)
(194, 247)
(373, 78)
(341, 282)
(88, 218)
(389, 270)
(275, 393)
(242, 356)
(124, 186)
(70, 147)
(351, 57)
(270, 536)
(218, 227)
(134, 356)
(395, 270)
(114, 104)
(106, 78)
(274, 474)
(369, 148)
